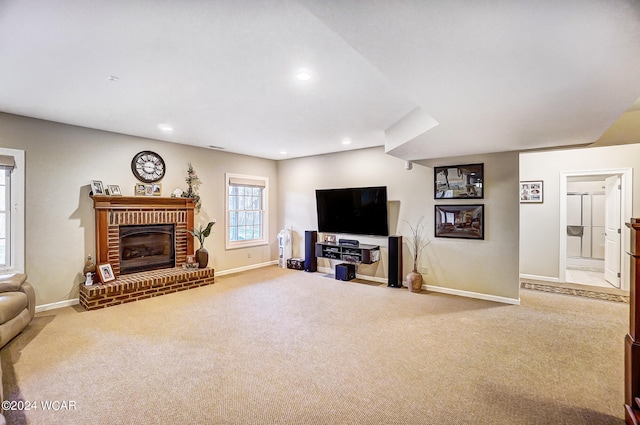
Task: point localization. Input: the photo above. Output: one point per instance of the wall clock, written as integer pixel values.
(148, 166)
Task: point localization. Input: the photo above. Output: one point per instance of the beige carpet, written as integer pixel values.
(274, 346)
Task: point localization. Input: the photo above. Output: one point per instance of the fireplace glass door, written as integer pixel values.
(146, 247)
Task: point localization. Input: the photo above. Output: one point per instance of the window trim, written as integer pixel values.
(229, 177)
(17, 230)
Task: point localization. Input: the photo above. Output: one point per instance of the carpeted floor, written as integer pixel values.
(273, 346)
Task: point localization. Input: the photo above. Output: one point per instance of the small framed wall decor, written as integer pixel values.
(105, 272)
(97, 188)
(531, 192)
(459, 181)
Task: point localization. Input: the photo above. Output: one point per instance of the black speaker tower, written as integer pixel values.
(310, 260)
(395, 262)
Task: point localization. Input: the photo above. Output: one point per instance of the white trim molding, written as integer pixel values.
(245, 268)
(56, 305)
(476, 295)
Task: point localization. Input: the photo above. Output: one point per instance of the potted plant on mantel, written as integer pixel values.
(202, 255)
(417, 242)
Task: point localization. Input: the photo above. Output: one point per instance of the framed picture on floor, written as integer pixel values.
(459, 181)
(459, 221)
(531, 192)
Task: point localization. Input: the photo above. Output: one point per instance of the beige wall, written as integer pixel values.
(489, 266)
(485, 267)
(61, 161)
(540, 223)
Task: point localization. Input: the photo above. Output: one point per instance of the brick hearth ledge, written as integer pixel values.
(138, 286)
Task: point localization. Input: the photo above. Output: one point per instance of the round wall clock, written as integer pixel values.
(148, 166)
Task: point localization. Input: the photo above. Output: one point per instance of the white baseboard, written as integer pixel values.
(440, 289)
(245, 268)
(328, 270)
(476, 295)
(542, 278)
(68, 303)
(59, 304)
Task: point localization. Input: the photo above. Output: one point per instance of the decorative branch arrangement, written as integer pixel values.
(417, 241)
(193, 183)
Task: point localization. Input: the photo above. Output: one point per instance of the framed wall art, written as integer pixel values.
(531, 192)
(459, 181)
(459, 221)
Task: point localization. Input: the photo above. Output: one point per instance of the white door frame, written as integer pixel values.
(626, 175)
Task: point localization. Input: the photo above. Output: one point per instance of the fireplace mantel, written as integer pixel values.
(143, 202)
(113, 211)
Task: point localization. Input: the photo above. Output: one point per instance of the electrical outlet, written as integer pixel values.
(248, 255)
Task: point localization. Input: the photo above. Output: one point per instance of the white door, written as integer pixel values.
(612, 231)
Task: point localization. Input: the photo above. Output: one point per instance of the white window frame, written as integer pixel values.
(229, 244)
(16, 231)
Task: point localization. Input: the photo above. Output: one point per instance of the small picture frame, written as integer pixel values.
(156, 189)
(148, 189)
(97, 188)
(114, 190)
(531, 192)
(330, 238)
(105, 273)
(140, 189)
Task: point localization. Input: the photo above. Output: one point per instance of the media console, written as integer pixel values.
(365, 254)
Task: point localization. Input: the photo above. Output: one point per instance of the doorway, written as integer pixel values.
(593, 207)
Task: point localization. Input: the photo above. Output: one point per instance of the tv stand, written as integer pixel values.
(364, 254)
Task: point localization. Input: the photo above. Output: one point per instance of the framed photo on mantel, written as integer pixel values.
(459, 181)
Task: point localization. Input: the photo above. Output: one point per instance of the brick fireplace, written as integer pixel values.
(115, 215)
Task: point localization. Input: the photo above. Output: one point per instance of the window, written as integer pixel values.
(246, 211)
(11, 210)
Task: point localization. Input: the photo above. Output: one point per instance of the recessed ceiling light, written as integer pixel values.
(346, 141)
(167, 128)
(112, 78)
(283, 152)
(303, 75)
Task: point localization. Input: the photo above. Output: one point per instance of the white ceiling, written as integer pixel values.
(481, 75)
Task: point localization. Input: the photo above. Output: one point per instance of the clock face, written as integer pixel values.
(148, 166)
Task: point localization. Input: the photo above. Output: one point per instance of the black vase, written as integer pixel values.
(202, 256)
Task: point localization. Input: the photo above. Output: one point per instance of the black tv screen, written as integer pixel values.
(357, 211)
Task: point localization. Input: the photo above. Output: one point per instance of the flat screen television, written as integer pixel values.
(356, 211)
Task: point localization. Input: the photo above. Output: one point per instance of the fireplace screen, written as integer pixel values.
(146, 247)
